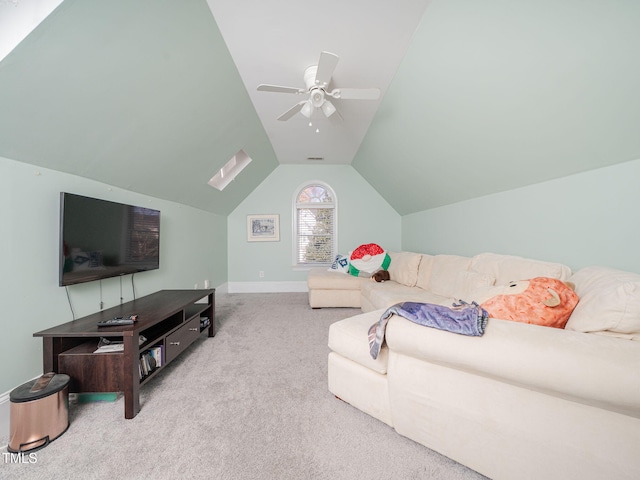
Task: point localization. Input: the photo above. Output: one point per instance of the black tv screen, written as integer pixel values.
(101, 239)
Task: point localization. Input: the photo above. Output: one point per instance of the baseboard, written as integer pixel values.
(267, 287)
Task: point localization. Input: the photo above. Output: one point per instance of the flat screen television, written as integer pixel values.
(101, 239)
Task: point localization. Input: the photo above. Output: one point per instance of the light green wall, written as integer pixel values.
(363, 217)
(494, 95)
(143, 95)
(586, 219)
(192, 249)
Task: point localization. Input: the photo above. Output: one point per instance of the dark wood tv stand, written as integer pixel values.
(170, 320)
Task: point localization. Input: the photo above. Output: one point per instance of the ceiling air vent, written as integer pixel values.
(230, 170)
(315, 159)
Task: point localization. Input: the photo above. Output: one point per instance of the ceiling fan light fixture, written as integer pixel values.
(307, 109)
(328, 109)
(317, 97)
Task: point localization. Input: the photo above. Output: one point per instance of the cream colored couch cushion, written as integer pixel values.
(424, 271)
(404, 267)
(609, 302)
(468, 283)
(445, 272)
(510, 268)
(384, 295)
(350, 338)
(549, 360)
(323, 279)
(325, 298)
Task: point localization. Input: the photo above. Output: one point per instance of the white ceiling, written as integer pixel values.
(17, 23)
(273, 42)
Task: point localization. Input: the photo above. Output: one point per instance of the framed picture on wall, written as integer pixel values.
(263, 228)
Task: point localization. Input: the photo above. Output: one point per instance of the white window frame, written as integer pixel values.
(296, 205)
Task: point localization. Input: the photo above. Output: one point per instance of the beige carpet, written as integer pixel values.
(251, 403)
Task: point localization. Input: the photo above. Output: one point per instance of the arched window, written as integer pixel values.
(315, 219)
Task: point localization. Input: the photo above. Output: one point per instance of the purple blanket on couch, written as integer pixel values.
(464, 318)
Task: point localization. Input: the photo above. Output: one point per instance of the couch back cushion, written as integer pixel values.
(510, 268)
(445, 274)
(404, 267)
(609, 302)
(469, 283)
(424, 271)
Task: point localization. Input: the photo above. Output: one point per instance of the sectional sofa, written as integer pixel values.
(522, 401)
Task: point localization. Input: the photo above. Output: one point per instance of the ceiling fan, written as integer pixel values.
(317, 79)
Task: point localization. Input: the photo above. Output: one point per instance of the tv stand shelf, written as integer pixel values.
(168, 319)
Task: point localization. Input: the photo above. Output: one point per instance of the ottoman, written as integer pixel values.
(328, 288)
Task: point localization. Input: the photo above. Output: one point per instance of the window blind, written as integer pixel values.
(315, 235)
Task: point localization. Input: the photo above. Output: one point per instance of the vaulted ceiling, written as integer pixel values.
(477, 97)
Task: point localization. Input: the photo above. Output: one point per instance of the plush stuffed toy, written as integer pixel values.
(381, 276)
(367, 259)
(541, 301)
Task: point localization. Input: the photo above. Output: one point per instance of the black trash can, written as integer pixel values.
(39, 412)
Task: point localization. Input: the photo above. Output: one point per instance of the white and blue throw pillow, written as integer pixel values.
(340, 264)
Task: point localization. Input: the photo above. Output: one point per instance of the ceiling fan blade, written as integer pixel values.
(279, 89)
(292, 111)
(356, 93)
(326, 66)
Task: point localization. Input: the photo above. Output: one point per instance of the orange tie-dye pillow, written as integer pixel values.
(544, 301)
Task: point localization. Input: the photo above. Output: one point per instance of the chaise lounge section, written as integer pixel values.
(330, 289)
(522, 401)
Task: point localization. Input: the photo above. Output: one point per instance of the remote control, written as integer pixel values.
(116, 321)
